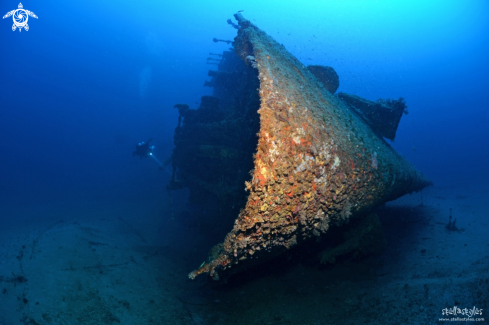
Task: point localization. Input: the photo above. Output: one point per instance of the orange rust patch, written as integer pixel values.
(261, 178)
(225, 262)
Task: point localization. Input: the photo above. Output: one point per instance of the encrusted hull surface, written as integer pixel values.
(316, 162)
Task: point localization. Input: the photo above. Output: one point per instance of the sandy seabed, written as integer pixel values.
(88, 264)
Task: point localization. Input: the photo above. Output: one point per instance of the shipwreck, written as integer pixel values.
(275, 151)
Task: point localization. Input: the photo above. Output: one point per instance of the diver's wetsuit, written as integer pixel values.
(143, 149)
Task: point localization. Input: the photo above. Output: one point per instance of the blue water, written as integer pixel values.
(90, 79)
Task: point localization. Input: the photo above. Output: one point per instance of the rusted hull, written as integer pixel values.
(316, 163)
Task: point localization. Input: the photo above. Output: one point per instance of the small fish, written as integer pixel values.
(414, 149)
(240, 10)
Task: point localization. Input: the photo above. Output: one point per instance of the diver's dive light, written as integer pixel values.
(156, 159)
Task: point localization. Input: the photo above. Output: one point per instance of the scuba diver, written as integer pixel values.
(143, 149)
